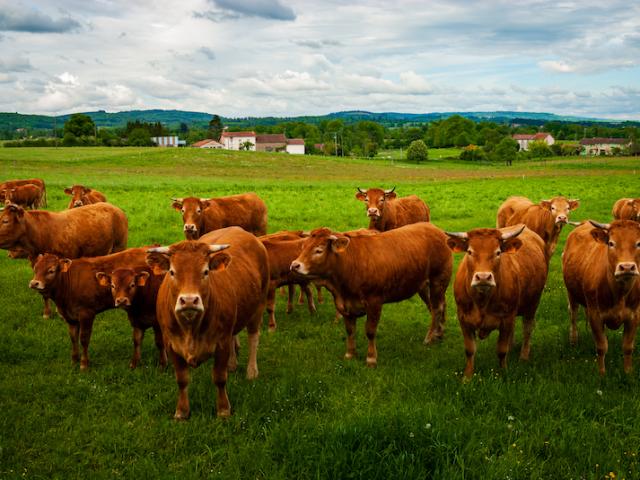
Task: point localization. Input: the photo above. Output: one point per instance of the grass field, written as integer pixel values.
(312, 414)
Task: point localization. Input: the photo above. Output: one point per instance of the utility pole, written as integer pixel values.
(335, 142)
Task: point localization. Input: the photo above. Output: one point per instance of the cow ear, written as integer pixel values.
(103, 279)
(457, 244)
(205, 203)
(67, 191)
(546, 204)
(65, 264)
(510, 246)
(141, 278)
(19, 211)
(340, 244)
(219, 261)
(177, 205)
(86, 190)
(600, 235)
(573, 204)
(361, 196)
(390, 195)
(159, 262)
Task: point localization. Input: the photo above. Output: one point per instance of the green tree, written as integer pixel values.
(473, 153)
(140, 137)
(80, 125)
(417, 151)
(69, 140)
(506, 150)
(539, 149)
(215, 127)
(246, 145)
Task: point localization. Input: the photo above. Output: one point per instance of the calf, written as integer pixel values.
(207, 298)
(136, 291)
(386, 211)
(81, 196)
(600, 268)
(9, 184)
(546, 218)
(501, 276)
(627, 209)
(202, 215)
(28, 196)
(73, 286)
(363, 272)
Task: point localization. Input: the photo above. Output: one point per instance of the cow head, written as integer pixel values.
(78, 195)
(484, 248)
(124, 283)
(46, 271)
(318, 253)
(191, 209)
(12, 225)
(622, 238)
(634, 203)
(560, 208)
(375, 198)
(190, 265)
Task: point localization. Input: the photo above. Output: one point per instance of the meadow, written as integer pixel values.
(312, 414)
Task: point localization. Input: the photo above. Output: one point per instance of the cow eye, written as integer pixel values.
(182, 210)
(51, 271)
(498, 253)
(612, 244)
(198, 210)
(318, 250)
(172, 273)
(206, 272)
(5, 220)
(131, 285)
(470, 252)
(113, 287)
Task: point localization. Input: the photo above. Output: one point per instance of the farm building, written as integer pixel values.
(524, 139)
(295, 146)
(170, 141)
(235, 140)
(276, 142)
(602, 146)
(263, 143)
(207, 143)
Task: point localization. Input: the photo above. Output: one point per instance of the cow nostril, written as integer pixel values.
(182, 302)
(195, 301)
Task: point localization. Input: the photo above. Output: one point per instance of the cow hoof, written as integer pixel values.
(45, 316)
(132, 365)
(349, 355)
(272, 329)
(467, 379)
(181, 416)
(84, 367)
(252, 373)
(224, 413)
(372, 362)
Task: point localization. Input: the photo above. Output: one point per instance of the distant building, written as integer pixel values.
(602, 146)
(275, 142)
(524, 139)
(207, 143)
(235, 140)
(170, 141)
(295, 146)
(268, 142)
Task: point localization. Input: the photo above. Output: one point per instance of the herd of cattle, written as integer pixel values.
(198, 294)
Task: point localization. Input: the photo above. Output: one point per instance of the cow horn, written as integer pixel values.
(361, 190)
(604, 226)
(512, 234)
(332, 237)
(575, 224)
(158, 250)
(387, 192)
(217, 248)
(205, 199)
(462, 235)
(178, 199)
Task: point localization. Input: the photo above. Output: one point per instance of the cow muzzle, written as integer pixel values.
(373, 212)
(298, 267)
(77, 203)
(562, 219)
(122, 302)
(36, 285)
(483, 280)
(189, 306)
(626, 270)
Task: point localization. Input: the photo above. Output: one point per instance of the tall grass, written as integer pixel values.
(312, 414)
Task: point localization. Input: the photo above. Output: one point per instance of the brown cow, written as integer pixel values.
(386, 211)
(363, 272)
(206, 299)
(501, 276)
(600, 268)
(202, 215)
(73, 286)
(136, 291)
(81, 195)
(9, 184)
(627, 209)
(28, 196)
(546, 218)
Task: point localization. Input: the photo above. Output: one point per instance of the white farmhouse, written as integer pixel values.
(524, 139)
(236, 140)
(295, 146)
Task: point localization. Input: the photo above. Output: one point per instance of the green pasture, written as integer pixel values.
(312, 414)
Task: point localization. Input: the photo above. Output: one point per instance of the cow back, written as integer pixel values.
(246, 210)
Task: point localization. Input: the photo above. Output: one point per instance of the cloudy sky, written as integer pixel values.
(292, 57)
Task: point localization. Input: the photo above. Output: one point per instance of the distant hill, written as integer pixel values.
(9, 122)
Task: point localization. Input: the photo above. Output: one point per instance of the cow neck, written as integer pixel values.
(61, 288)
(36, 239)
(620, 290)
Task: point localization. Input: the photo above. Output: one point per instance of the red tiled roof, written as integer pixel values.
(523, 136)
(604, 141)
(295, 141)
(271, 138)
(238, 134)
(541, 136)
(202, 142)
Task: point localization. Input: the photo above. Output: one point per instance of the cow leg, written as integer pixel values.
(283, 292)
(138, 335)
(292, 291)
(74, 335)
(86, 327)
(469, 335)
(253, 338)
(434, 332)
(528, 323)
(220, 373)
(233, 354)
(628, 341)
(599, 338)
(309, 295)
(162, 351)
(504, 342)
(301, 296)
(350, 326)
(573, 317)
(271, 308)
(319, 294)
(182, 379)
(371, 326)
(46, 313)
